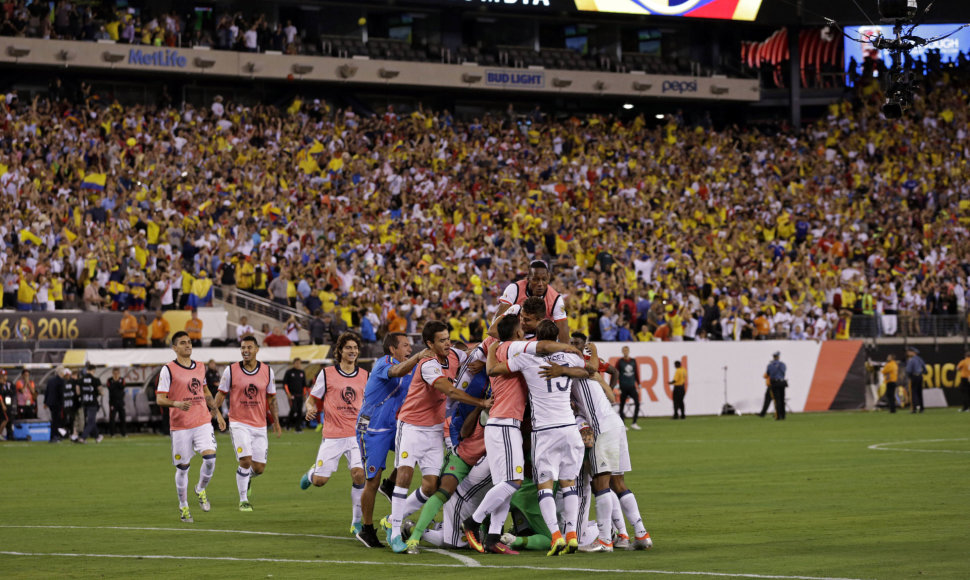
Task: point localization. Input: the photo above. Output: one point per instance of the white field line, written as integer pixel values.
(885, 446)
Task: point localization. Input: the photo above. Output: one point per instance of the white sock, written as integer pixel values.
(496, 498)
(619, 524)
(547, 505)
(182, 485)
(205, 474)
(604, 513)
(434, 537)
(355, 493)
(242, 482)
(570, 500)
(632, 512)
(398, 499)
(414, 502)
(309, 473)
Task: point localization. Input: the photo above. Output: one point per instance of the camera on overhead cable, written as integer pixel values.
(893, 10)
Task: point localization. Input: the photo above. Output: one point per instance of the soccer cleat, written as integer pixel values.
(635, 427)
(245, 506)
(621, 542)
(386, 526)
(572, 544)
(500, 548)
(507, 538)
(558, 547)
(305, 482)
(643, 542)
(387, 488)
(99, 439)
(473, 534)
(412, 547)
(203, 500)
(369, 538)
(185, 516)
(597, 545)
(355, 528)
(398, 545)
(407, 528)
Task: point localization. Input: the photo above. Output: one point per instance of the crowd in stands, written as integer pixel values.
(68, 20)
(379, 223)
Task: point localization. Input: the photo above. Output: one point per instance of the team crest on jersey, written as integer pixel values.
(404, 455)
(251, 391)
(195, 386)
(349, 395)
(451, 468)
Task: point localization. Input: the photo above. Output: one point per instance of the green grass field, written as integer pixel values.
(721, 496)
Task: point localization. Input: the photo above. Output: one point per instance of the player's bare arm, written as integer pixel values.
(555, 370)
(445, 386)
(614, 375)
(468, 427)
(275, 412)
(162, 400)
(220, 399)
(502, 308)
(311, 407)
(492, 367)
(404, 367)
(551, 347)
(214, 410)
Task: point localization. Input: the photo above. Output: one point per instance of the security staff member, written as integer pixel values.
(963, 369)
(9, 411)
(294, 381)
(915, 367)
(776, 379)
(680, 389)
(890, 374)
(90, 400)
(116, 402)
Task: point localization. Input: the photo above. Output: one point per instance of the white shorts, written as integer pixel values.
(610, 453)
(188, 442)
(463, 503)
(330, 452)
(557, 453)
(248, 441)
(421, 446)
(503, 447)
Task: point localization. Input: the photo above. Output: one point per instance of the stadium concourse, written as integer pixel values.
(651, 231)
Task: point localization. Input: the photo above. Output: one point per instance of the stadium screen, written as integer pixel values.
(720, 9)
(950, 47)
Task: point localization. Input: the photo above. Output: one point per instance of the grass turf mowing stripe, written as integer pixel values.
(419, 564)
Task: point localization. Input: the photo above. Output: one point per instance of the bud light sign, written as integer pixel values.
(515, 79)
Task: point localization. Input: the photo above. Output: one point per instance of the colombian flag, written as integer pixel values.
(94, 181)
(29, 236)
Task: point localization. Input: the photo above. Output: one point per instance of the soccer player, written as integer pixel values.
(181, 387)
(420, 425)
(338, 392)
(386, 388)
(251, 387)
(557, 447)
(535, 284)
(608, 460)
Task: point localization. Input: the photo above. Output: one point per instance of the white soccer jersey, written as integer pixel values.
(593, 404)
(549, 398)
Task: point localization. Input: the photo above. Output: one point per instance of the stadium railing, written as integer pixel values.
(910, 326)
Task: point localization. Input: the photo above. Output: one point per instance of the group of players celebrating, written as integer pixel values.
(522, 425)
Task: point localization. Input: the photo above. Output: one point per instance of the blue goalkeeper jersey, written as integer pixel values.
(383, 395)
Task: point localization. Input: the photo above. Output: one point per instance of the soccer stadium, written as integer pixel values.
(504, 288)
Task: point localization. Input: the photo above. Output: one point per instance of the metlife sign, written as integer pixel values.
(157, 58)
(515, 79)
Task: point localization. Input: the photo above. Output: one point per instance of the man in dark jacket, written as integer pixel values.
(54, 401)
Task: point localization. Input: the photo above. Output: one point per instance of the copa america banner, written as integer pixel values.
(821, 376)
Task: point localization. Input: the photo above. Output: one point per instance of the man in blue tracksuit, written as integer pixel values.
(915, 367)
(377, 422)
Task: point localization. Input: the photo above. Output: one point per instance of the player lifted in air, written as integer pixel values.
(181, 386)
(338, 392)
(251, 387)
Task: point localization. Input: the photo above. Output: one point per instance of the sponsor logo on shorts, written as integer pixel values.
(177, 456)
(238, 449)
(319, 463)
(518, 469)
(404, 455)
